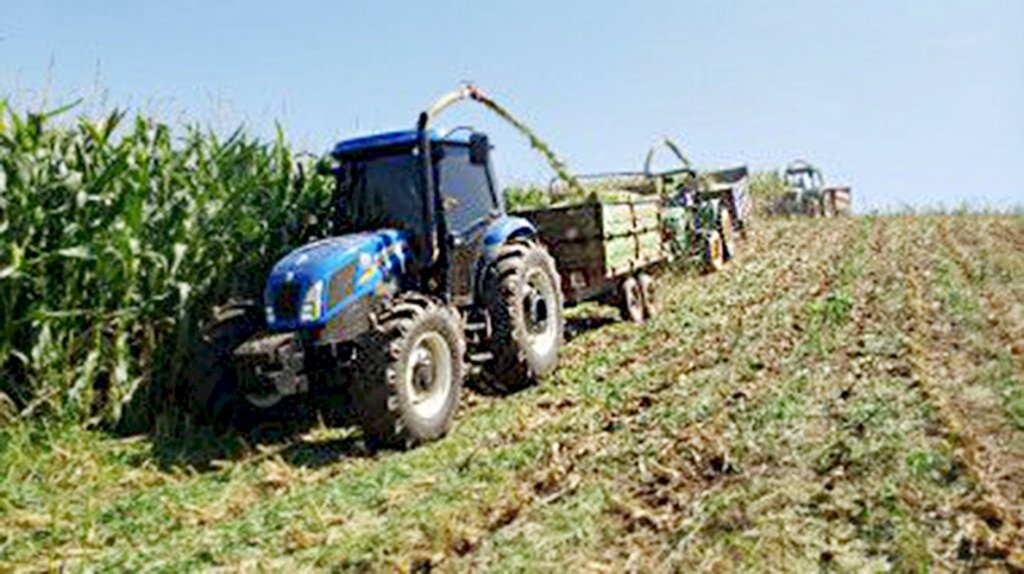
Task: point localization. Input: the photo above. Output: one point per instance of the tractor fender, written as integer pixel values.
(499, 233)
(503, 230)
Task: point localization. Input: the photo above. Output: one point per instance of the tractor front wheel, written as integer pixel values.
(213, 394)
(409, 374)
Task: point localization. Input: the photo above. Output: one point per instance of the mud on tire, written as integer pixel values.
(409, 372)
(524, 301)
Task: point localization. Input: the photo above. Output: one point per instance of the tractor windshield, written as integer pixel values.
(799, 179)
(380, 192)
(806, 178)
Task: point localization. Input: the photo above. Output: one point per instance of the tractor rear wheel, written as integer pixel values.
(409, 374)
(649, 293)
(524, 301)
(714, 252)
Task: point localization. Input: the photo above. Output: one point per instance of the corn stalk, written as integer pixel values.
(117, 236)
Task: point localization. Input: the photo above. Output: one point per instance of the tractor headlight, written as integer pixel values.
(269, 311)
(312, 305)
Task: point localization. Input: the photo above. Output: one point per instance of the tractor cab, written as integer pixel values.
(442, 206)
(381, 183)
(804, 184)
(802, 176)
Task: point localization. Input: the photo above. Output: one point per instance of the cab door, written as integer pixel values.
(469, 204)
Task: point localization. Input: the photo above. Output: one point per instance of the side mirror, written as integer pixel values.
(479, 147)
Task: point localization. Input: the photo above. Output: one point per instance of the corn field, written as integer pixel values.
(118, 235)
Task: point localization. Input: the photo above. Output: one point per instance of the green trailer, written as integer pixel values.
(688, 216)
(606, 251)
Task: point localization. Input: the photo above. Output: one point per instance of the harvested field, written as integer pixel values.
(848, 394)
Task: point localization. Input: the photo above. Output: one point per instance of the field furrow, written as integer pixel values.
(709, 373)
(948, 365)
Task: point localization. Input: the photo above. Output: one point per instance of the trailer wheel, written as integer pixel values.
(631, 301)
(649, 294)
(524, 300)
(409, 374)
(728, 235)
(714, 252)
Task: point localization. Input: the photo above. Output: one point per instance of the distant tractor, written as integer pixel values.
(803, 194)
(703, 213)
(806, 193)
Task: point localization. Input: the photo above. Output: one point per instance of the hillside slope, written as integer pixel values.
(848, 393)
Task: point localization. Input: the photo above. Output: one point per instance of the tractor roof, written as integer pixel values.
(364, 144)
(800, 166)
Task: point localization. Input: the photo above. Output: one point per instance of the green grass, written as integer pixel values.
(776, 416)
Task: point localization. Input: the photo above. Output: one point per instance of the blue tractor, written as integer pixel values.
(425, 280)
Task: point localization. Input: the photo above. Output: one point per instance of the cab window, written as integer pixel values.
(465, 188)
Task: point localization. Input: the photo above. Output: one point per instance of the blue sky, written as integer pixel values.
(918, 102)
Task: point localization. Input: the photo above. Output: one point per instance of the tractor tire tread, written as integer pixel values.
(510, 368)
(375, 388)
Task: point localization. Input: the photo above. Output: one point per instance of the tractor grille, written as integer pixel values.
(287, 300)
